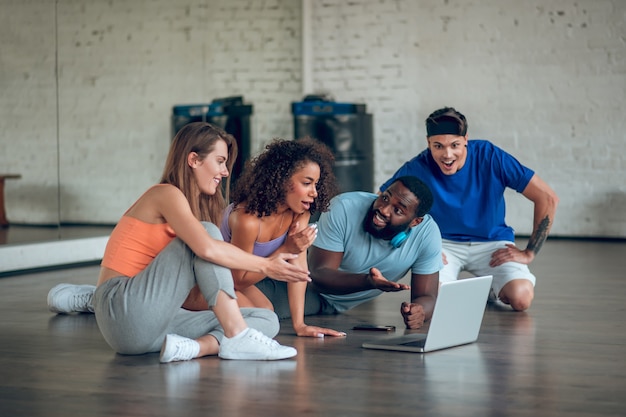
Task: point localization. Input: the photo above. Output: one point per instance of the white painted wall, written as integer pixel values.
(544, 80)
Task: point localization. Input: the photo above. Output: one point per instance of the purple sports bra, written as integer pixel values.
(263, 249)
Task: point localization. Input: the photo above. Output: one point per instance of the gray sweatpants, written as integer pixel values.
(135, 314)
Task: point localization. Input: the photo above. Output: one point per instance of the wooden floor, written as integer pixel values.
(565, 357)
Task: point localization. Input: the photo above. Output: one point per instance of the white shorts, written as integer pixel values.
(474, 258)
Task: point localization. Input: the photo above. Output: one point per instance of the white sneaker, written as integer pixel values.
(178, 348)
(254, 345)
(70, 298)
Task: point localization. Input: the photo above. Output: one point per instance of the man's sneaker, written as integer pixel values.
(254, 345)
(70, 298)
(178, 348)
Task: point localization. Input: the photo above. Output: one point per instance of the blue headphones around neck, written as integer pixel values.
(400, 238)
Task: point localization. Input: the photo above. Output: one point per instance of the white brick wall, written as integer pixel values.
(544, 80)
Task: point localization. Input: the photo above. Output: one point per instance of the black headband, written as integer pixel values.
(444, 127)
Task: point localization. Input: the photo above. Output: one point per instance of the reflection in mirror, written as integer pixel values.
(30, 143)
(30, 134)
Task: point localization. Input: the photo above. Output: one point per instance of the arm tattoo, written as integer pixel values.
(541, 234)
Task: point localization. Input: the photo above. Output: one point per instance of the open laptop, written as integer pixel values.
(456, 319)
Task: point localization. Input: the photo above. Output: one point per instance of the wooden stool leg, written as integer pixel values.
(3, 217)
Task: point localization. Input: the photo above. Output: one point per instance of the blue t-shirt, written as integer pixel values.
(469, 205)
(341, 230)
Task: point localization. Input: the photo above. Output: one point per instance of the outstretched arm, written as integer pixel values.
(299, 239)
(545, 202)
(328, 279)
(170, 205)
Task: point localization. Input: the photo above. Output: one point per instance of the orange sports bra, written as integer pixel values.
(133, 244)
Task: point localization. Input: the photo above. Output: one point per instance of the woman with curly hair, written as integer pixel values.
(271, 207)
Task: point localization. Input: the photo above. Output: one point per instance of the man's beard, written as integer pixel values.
(386, 233)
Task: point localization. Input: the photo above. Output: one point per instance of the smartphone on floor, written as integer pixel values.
(375, 328)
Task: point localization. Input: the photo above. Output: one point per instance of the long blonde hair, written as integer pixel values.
(198, 137)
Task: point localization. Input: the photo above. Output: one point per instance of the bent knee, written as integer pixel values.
(518, 294)
(213, 230)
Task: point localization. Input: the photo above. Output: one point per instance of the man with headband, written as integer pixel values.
(468, 179)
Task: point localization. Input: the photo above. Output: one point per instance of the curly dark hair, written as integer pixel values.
(266, 179)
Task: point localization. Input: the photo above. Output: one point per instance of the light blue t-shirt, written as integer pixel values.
(469, 205)
(341, 230)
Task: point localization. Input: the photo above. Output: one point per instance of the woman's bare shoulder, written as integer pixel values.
(149, 207)
(159, 189)
(241, 221)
